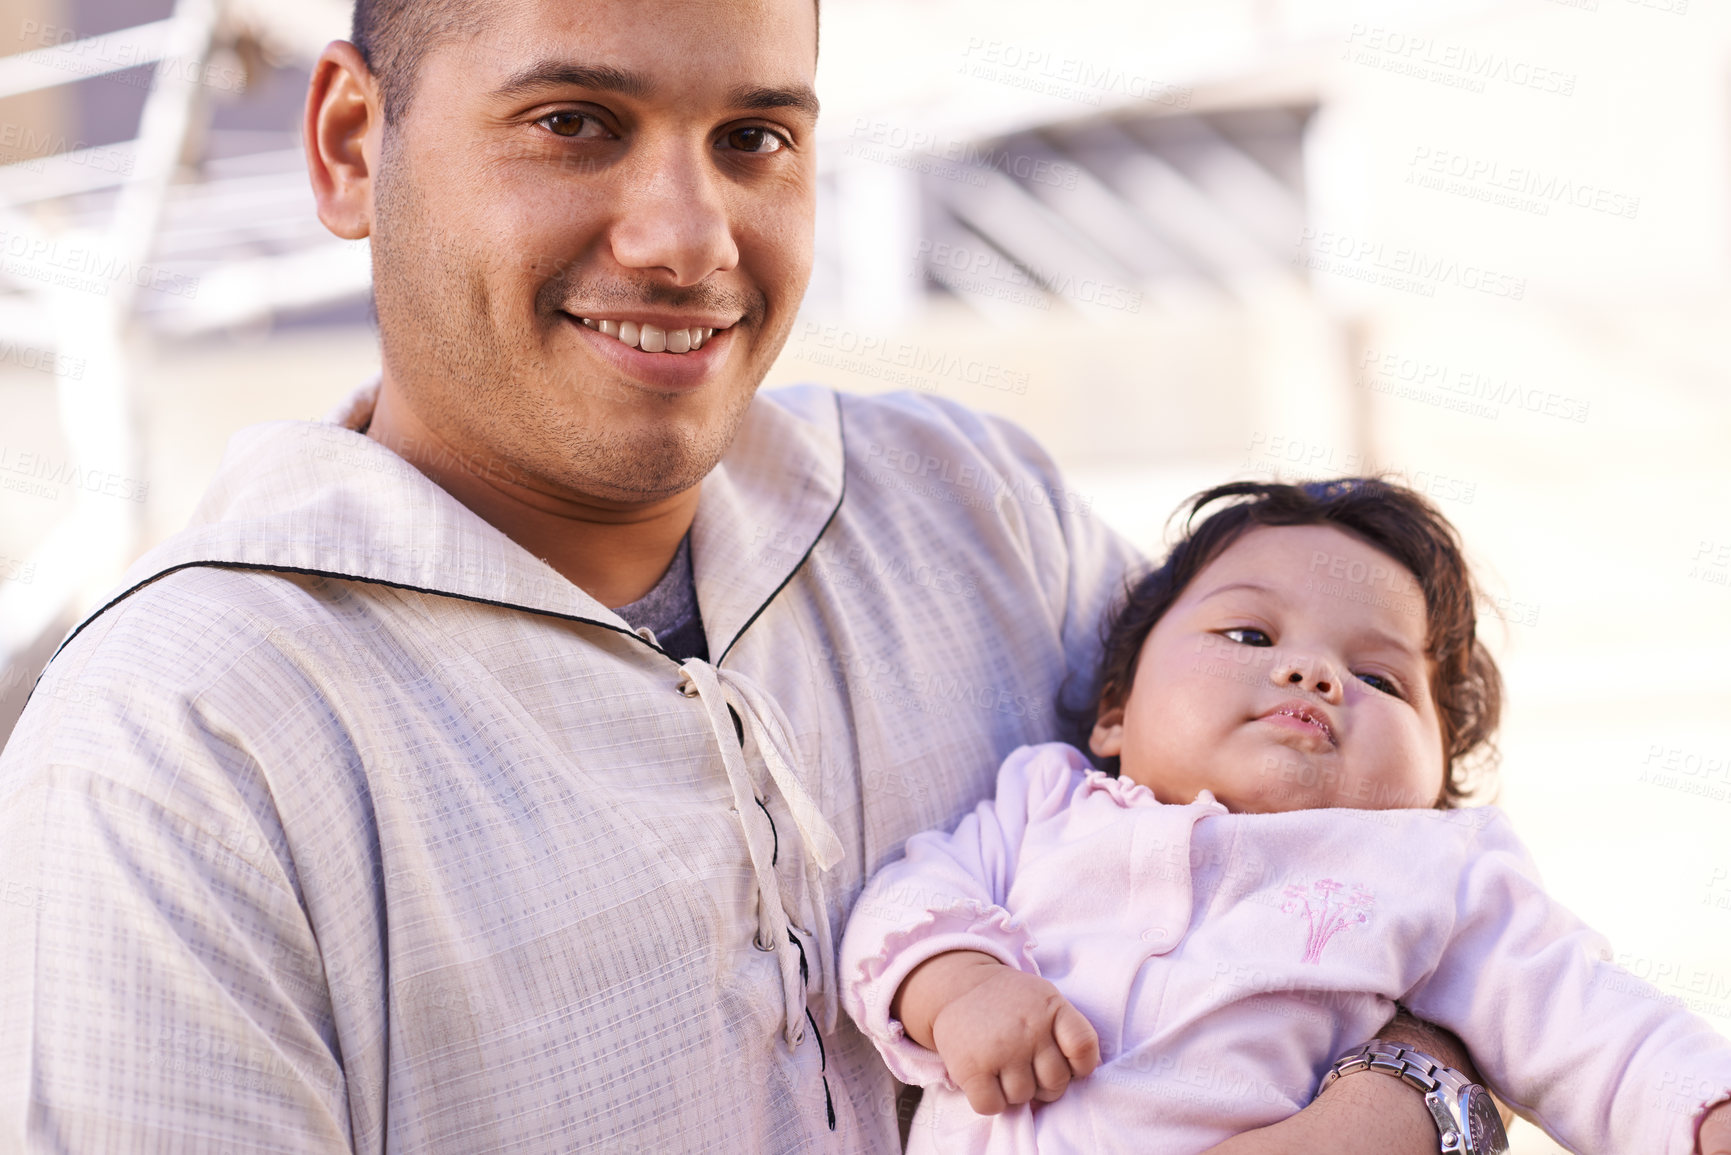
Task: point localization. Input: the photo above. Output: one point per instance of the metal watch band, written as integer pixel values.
(1466, 1120)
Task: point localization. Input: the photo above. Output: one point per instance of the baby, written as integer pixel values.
(1286, 710)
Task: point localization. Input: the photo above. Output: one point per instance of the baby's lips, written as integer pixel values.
(1306, 713)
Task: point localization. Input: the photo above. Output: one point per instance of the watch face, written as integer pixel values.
(1484, 1124)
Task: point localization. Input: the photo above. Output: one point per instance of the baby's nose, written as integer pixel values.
(1308, 673)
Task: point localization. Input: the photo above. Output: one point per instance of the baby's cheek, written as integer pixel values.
(1411, 784)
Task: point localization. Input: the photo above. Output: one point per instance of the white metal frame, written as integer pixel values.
(88, 331)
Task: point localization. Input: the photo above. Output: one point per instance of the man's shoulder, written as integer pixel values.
(937, 452)
(193, 606)
(175, 639)
(922, 417)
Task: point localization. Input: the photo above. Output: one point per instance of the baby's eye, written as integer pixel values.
(1247, 636)
(1381, 682)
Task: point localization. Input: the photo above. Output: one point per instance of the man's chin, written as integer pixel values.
(639, 470)
(605, 439)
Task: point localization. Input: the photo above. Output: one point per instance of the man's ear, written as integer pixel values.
(344, 130)
(1107, 740)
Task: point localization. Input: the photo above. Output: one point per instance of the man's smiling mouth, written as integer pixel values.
(651, 338)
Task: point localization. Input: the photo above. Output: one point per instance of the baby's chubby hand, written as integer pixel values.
(1005, 1036)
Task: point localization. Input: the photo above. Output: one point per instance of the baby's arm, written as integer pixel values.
(1600, 1059)
(1005, 1036)
(945, 904)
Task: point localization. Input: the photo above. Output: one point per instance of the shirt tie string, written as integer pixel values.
(820, 849)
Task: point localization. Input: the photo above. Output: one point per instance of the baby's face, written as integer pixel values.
(1290, 675)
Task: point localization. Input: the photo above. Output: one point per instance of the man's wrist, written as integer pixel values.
(1429, 1039)
(1380, 1113)
(1468, 1121)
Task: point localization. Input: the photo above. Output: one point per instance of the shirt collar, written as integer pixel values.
(321, 498)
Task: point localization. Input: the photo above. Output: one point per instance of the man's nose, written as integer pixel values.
(1307, 672)
(673, 215)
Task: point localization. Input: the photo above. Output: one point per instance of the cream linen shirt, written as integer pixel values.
(351, 825)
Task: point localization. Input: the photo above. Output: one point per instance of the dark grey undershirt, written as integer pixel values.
(670, 609)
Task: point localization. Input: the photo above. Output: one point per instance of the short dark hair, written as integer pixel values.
(1465, 684)
(394, 37)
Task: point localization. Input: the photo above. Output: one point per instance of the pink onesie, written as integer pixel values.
(1227, 959)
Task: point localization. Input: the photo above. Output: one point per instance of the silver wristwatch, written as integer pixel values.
(1466, 1119)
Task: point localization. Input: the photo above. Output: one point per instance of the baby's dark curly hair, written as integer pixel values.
(1465, 682)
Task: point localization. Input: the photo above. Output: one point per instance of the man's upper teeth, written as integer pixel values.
(651, 338)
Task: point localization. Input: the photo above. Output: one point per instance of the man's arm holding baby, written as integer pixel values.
(1006, 1037)
(1371, 1115)
(1363, 1116)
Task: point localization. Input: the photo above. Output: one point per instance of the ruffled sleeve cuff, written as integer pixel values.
(873, 980)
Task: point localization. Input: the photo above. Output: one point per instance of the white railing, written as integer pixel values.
(80, 285)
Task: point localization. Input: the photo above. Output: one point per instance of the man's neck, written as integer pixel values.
(613, 552)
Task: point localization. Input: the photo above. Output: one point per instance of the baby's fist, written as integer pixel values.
(1014, 1038)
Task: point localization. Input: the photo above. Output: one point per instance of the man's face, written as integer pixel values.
(647, 165)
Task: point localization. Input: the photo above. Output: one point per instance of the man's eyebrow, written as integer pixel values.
(798, 97)
(544, 74)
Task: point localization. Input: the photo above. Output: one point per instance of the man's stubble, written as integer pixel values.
(482, 380)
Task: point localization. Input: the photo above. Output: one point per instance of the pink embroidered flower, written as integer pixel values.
(1327, 914)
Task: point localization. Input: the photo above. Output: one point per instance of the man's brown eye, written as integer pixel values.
(569, 124)
(759, 140)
